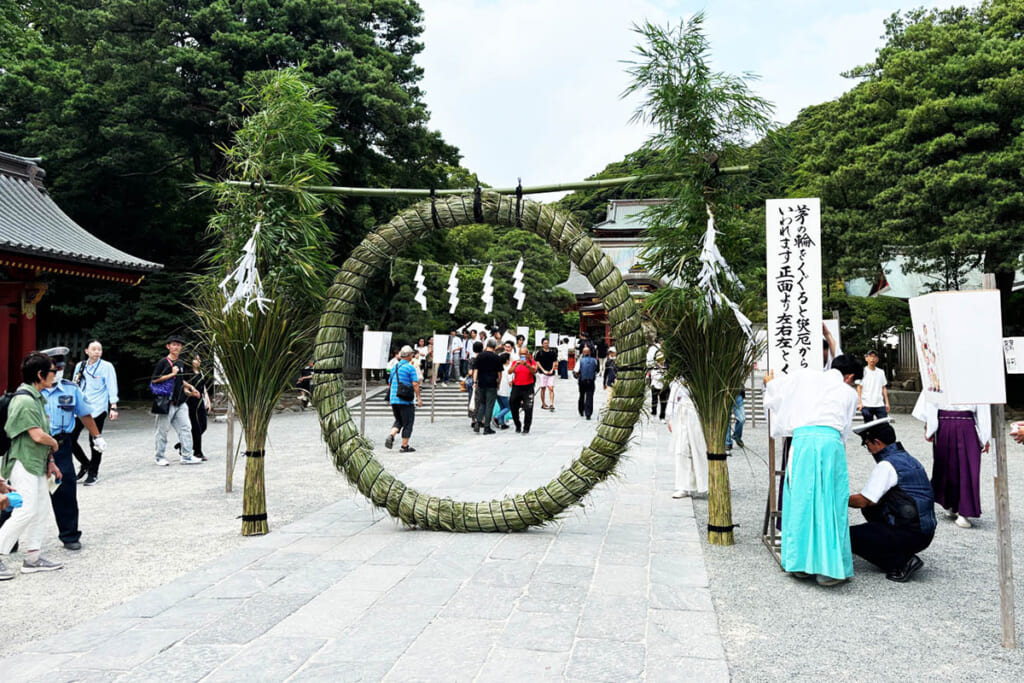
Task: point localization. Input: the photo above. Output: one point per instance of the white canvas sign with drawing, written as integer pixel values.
(1013, 355)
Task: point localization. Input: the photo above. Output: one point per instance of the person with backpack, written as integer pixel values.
(98, 381)
(27, 464)
(174, 410)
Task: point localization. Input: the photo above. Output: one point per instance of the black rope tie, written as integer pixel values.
(717, 456)
(433, 209)
(478, 204)
(254, 454)
(722, 529)
(519, 204)
(254, 518)
(325, 371)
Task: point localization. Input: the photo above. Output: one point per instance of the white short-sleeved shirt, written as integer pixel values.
(871, 388)
(883, 477)
(810, 398)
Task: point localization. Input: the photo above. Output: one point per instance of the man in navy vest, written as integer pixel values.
(897, 502)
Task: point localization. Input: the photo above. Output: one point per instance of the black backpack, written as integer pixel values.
(5, 404)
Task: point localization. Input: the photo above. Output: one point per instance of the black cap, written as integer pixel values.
(175, 338)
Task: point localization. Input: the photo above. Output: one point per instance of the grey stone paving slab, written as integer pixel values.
(328, 614)
(362, 547)
(575, 549)
(30, 666)
(504, 572)
(349, 672)
(614, 617)
(478, 601)
(419, 591)
(673, 669)
(244, 584)
(540, 631)
(678, 570)
(569, 574)
(606, 660)
(130, 648)
(192, 614)
(78, 676)
(504, 664)
(378, 635)
(447, 650)
(181, 663)
(523, 546)
(672, 633)
(314, 577)
(553, 597)
(266, 659)
(84, 636)
(374, 578)
(694, 598)
(250, 619)
(618, 579)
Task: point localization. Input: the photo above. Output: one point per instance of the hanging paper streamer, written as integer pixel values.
(421, 288)
(488, 293)
(453, 289)
(517, 283)
(713, 267)
(248, 286)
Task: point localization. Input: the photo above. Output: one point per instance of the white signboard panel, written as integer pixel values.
(523, 330)
(440, 349)
(1013, 354)
(794, 284)
(376, 349)
(959, 343)
(538, 336)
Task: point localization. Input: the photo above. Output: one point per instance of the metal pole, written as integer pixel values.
(433, 379)
(534, 189)
(1004, 535)
(362, 400)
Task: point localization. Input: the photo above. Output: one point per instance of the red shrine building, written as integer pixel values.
(39, 241)
(621, 237)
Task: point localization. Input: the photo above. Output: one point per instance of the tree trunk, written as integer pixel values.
(254, 495)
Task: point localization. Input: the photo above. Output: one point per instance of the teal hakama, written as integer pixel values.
(815, 527)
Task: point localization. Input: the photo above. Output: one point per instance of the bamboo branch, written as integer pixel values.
(534, 189)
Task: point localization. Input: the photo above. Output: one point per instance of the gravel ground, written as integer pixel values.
(143, 526)
(943, 625)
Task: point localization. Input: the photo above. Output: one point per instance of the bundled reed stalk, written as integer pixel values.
(708, 348)
(354, 456)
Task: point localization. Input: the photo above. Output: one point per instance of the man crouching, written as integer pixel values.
(898, 504)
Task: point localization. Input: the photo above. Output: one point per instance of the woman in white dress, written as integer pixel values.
(687, 443)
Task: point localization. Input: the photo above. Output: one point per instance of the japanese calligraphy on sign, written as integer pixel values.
(794, 284)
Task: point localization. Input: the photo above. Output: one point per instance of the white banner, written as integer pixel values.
(794, 284)
(538, 336)
(1013, 353)
(958, 338)
(441, 349)
(376, 349)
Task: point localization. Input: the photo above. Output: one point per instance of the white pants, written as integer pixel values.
(32, 517)
(176, 417)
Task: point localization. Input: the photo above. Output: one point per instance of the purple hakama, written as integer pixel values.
(957, 463)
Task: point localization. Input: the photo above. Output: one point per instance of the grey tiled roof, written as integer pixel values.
(31, 223)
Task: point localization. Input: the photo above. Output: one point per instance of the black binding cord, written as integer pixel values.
(254, 518)
(433, 210)
(717, 456)
(519, 204)
(478, 204)
(254, 454)
(722, 529)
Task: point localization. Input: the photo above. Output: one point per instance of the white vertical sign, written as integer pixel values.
(440, 349)
(376, 349)
(794, 284)
(1013, 354)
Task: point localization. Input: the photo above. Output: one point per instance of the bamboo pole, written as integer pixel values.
(229, 460)
(533, 189)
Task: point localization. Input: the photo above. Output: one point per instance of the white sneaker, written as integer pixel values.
(680, 494)
(161, 461)
(190, 460)
(963, 522)
(40, 565)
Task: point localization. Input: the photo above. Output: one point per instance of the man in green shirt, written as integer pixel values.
(27, 466)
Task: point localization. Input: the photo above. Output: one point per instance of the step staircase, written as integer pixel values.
(448, 402)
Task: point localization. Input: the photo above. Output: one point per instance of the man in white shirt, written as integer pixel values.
(898, 506)
(455, 343)
(872, 396)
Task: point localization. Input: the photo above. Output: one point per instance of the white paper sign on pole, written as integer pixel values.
(538, 336)
(958, 338)
(508, 337)
(1013, 354)
(376, 349)
(794, 284)
(440, 349)
(523, 330)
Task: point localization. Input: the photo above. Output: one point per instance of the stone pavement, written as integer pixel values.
(614, 592)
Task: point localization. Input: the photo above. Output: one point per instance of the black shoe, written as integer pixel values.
(390, 441)
(525, 432)
(588, 417)
(489, 431)
(497, 423)
(728, 446)
(903, 575)
(82, 471)
(92, 480)
(518, 429)
(504, 426)
(406, 449)
(739, 442)
(73, 545)
(476, 428)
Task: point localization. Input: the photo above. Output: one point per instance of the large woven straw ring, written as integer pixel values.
(353, 455)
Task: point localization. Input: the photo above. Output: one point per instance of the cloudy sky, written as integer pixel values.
(531, 88)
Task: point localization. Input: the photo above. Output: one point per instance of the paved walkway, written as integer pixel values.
(616, 591)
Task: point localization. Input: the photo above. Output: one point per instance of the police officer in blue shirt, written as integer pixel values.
(65, 402)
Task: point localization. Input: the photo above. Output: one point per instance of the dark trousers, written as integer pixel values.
(586, 400)
(870, 414)
(91, 464)
(887, 547)
(197, 417)
(656, 396)
(405, 416)
(442, 372)
(563, 369)
(521, 397)
(485, 398)
(65, 498)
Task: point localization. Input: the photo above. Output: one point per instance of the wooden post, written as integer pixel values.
(1004, 536)
(433, 379)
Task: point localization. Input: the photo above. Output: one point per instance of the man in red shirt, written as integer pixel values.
(523, 372)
